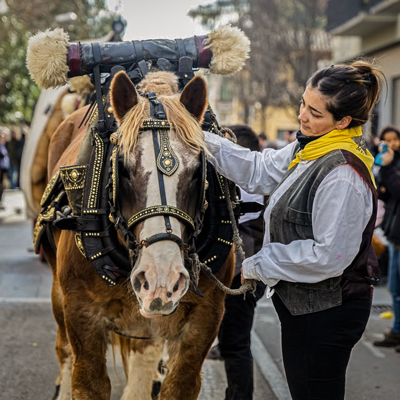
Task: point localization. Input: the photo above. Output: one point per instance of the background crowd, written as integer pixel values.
(11, 147)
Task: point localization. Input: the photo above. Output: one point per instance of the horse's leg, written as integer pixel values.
(188, 351)
(144, 358)
(88, 339)
(63, 352)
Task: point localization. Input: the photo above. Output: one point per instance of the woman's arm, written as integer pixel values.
(253, 171)
(342, 208)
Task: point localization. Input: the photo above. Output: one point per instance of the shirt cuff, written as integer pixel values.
(250, 267)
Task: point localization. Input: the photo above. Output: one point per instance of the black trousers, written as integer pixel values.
(234, 342)
(316, 347)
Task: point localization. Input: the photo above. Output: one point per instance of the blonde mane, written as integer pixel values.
(165, 85)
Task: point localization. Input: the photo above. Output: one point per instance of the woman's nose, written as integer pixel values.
(301, 116)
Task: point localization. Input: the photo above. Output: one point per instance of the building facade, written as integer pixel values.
(370, 28)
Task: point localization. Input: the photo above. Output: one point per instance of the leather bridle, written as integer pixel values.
(167, 164)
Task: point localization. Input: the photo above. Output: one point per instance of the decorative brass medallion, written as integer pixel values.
(167, 161)
(73, 177)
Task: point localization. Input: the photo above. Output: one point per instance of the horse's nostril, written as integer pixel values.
(137, 285)
(169, 294)
(180, 283)
(139, 281)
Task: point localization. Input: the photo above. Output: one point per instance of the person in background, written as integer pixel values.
(234, 333)
(15, 147)
(317, 255)
(289, 137)
(262, 140)
(4, 164)
(389, 192)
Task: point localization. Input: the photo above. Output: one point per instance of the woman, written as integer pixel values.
(389, 192)
(319, 225)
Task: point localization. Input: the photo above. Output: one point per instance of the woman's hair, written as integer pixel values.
(350, 90)
(388, 129)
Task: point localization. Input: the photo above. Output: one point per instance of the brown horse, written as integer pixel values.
(154, 302)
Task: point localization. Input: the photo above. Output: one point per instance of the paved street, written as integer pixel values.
(27, 333)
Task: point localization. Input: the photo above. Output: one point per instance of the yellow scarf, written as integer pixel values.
(338, 139)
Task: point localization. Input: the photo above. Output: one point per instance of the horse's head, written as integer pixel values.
(160, 181)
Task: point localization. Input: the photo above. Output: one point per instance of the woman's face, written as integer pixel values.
(392, 140)
(315, 119)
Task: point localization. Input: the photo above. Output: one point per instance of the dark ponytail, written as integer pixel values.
(350, 90)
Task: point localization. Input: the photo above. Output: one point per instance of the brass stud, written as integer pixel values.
(110, 110)
(114, 138)
(74, 174)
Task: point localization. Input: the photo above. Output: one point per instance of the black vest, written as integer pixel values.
(291, 219)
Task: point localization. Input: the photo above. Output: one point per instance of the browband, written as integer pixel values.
(153, 211)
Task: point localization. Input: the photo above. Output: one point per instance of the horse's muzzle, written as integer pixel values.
(158, 296)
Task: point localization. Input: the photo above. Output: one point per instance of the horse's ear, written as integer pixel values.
(195, 97)
(123, 95)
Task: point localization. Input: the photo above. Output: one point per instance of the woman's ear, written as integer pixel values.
(123, 95)
(344, 123)
(195, 97)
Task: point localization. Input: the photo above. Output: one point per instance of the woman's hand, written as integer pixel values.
(387, 158)
(241, 276)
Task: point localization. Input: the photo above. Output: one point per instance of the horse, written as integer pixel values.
(152, 307)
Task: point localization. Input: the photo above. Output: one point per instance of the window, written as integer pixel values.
(396, 102)
(227, 89)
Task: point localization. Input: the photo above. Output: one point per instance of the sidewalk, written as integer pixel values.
(14, 204)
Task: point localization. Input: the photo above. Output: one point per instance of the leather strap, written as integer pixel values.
(161, 182)
(153, 211)
(138, 50)
(160, 237)
(102, 123)
(181, 48)
(156, 108)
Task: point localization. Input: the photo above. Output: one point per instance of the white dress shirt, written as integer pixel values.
(342, 207)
